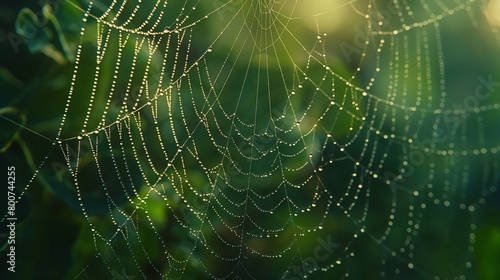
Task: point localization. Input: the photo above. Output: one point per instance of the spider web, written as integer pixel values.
(278, 139)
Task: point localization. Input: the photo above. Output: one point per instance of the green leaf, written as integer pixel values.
(43, 35)
(488, 253)
(10, 131)
(32, 29)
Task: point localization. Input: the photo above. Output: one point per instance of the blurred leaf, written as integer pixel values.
(488, 253)
(9, 133)
(43, 35)
(28, 26)
(63, 188)
(8, 77)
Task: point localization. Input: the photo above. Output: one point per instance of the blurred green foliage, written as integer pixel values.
(55, 240)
